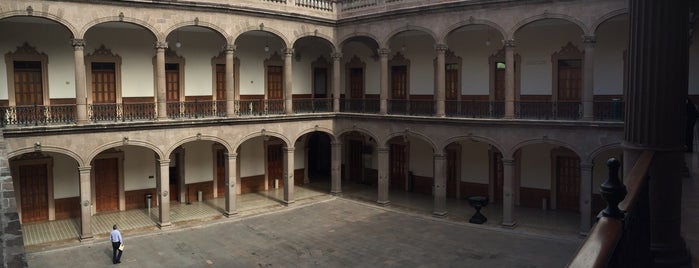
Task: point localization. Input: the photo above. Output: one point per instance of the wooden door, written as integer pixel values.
(356, 165)
(398, 166)
(499, 83)
(220, 82)
(275, 83)
(106, 184)
(567, 182)
(399, 82)
(172, 88)
(451, 84)
(320, 83)
(103, 82)
(34, 193)
(28, 84)
(569, 80)
(498, 176)
(356, 83)
(452, 172)
(221, 173)
(275, 165)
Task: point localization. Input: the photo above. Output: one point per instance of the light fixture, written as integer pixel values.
(266, 48)
(267, 44)
(403, 48)
(487, 42)
(178, 44)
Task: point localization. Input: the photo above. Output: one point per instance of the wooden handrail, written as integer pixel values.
(601, 242)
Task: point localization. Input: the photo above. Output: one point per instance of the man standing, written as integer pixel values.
(115, 238)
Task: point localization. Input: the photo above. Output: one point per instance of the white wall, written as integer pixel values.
(252, 161)
(197, 49)
(421, 158)
(420, 52)
(51, 39)
(536, 44)
(299, 154)
(250, 51)
(471, 46)
(136, 48)
(198, 161)
(612, 39)
(139, 165)
(474, 162)
(66, 179)
(372, 71)
(536, 166)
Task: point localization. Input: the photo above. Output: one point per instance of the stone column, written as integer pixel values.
(585, 197)
(230, 81)
(508, 201)
(85, 203)
(337, 57)
(163, 189)
(383, 55)
(509, 78)
(336, 167)
(80, 81)
(440, 90)
(440, 185)
(655, 113)
(231, 177)
(288, 92)
(588, 71)
(288, 175)
(160, 79)
(383, 175)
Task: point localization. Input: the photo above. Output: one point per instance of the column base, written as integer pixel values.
(336, 193)
(383, 203)
(164, 225)
(229, 214)
(588, 118)
(82, 122)
(668, 256)
(509, 225)
(440, 214)
(86, 237)
(289, 202)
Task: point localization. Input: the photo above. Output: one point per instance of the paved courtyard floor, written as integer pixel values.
(335, 232)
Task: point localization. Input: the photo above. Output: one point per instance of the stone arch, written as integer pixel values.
(261, 134)
(316, 129)
(59, 20)
(409, 133)
(324, 37)
(122, 18)
(341, 41)
(543, 16)
(393, 33)
(524, 143)
(477, 138)
(606, 17)
(265, 28)
(215, 28)
(495, 26)
(199, 138)
(360, 130)
(115, 144)
(51, 149)
(599, 150)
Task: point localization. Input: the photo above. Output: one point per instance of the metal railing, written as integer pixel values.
(621, 236)
(260, 107)
(554, 110)
(474, 108)
(612, 110)
(368, 106)
(37, 115)
(139, 111)
(301, 106)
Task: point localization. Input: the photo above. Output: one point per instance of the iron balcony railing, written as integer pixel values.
(553, 110)
(411, 107)
(474, 108)
(35, 115)
(302, 106)
(260, 107)
(367, 106)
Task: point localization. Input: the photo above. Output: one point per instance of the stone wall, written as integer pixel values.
(11, 243)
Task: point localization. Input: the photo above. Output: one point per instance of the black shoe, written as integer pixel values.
(118, 262)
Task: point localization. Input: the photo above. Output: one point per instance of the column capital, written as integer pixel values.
(229, 48)
(439, 156)
(337, 56)
(288, 52)
(589, 39)
(78, 44)
(508, 43)
(288, 149)
(164, 162)
(384, 52)
(160, 45)
(231, 155)
(84, 169)
(336, 143)
(382, 149)
(508, 161)
(441, 48)
(586, 165)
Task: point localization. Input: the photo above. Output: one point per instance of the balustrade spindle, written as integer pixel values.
(613, 191)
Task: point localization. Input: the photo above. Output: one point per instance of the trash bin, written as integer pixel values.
(149, 200)
(200, 196)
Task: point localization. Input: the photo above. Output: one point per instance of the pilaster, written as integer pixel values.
(509, 78)
(288, 91)
(85, 203)
(588, 81)
(383, 176)
(383, 96)
(337, 57)
(508, 201)
(440, 90)
(440, 185)
(163, 187)
(230, 81)
(160, 79)
(288, 175)
(80, 81)
(231, 178)
(335, 166)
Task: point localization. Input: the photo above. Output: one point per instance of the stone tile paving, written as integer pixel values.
(333, 233)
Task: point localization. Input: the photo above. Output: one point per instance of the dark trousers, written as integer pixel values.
(116, 257)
